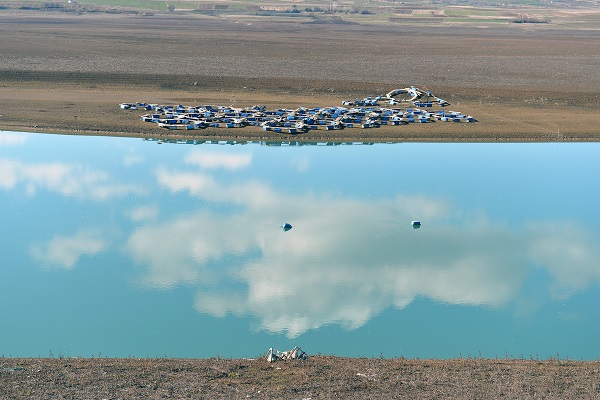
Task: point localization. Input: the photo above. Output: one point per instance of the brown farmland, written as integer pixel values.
(68, 73)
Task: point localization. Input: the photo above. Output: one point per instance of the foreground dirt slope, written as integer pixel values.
(67, 74)
(316, 378)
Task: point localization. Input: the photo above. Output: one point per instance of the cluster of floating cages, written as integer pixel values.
(413, 95)
(365, 113)
(274, 143)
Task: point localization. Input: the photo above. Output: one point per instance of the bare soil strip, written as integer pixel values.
(317, 378)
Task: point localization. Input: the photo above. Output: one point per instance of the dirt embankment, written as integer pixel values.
(316, 378)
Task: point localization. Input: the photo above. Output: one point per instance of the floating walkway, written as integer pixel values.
(365, 113)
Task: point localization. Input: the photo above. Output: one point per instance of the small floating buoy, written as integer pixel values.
(416, 224)
(286, 227)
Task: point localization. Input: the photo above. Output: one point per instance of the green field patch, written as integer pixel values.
(477, 20)
(469, 12)
(140, 4)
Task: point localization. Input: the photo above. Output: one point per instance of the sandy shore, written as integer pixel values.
(74, 110)
(67, 74)
(316, 378)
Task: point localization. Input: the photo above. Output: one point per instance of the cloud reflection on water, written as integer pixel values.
(212, 160)
(570, 255)
(65, 251)
(12, 139)
(346, 260)
(76, 180)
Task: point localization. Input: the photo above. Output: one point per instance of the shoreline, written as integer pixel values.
(514, 80)
(318, 377)
(72, 109)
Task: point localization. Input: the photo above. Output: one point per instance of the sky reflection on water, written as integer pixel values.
(124, 247)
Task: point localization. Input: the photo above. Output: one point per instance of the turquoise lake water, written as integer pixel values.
(122, 247)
